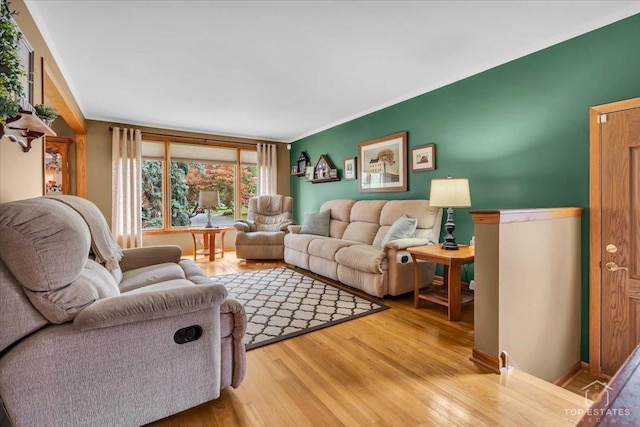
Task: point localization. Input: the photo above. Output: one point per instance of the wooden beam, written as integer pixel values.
(60, 103)
(81, 165)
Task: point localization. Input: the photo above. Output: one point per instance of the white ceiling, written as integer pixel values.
(281, 70)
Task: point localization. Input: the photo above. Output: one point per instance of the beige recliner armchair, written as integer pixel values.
(261, 235)
(82, 345)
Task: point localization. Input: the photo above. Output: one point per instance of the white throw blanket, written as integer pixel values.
(104, 247)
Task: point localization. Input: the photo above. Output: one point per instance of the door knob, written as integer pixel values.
(612, 266)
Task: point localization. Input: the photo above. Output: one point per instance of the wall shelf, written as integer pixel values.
(301, 165)
(28, 127)
(324, 171)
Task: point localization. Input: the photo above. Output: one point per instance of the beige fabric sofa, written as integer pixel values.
(80, 345)
(352, 253)
(261, 235)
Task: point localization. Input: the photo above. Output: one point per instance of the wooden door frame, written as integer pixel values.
(595, 227)
(51, 89)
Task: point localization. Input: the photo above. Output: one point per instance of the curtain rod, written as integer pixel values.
(202, 139)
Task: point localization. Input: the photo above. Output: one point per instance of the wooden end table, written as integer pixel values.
(450, 294)
(209, 241)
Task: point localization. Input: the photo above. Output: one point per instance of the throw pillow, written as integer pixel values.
(316, 223)
(402, 228)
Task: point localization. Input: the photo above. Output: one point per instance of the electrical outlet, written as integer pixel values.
(472, 285)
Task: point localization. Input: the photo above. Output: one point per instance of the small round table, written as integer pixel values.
(209, 241)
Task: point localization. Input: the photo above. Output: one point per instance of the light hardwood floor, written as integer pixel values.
(400, 367)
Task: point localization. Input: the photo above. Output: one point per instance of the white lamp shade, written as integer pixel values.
(450, 193)
(208, 198)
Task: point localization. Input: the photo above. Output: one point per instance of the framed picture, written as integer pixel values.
(423, 158)
(310, 172)
(383, 164)
(350, 166)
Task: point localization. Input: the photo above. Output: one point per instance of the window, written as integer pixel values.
(152, 185)
(248, 179)
(187, 170)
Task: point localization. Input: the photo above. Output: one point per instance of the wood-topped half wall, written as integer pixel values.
(527, 294)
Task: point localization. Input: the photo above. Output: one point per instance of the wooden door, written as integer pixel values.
(620, 237)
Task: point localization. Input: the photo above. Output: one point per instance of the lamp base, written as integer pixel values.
(449, 243)
(209, 225)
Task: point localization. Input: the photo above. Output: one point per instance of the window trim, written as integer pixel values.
(166, 177)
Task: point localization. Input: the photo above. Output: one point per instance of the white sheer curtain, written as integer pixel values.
(267, 169)
(126, 175)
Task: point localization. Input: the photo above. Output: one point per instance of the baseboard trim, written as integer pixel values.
(573, 372)
(495, 364)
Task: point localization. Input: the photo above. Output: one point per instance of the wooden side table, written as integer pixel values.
(451, 296)
(209, 241)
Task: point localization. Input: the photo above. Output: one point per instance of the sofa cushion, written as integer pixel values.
(360, 231)
(316, 223)
(260, 238)
(63, 304)
(327, 248)
(300, 242)
(402, 228)
(367, 211)
(44, 243)
(145, 276)
(362, 257)
(340, 214)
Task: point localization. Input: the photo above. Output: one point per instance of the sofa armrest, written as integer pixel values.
(284, 225)
(149, 255)
(244, 225)
(294, 229)
(140, 306)
(406, 243)
(232, 311)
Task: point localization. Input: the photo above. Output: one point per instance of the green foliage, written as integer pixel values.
(187, 180)
(45, 112)
(180, 207)
(152, 194)
(10, 68)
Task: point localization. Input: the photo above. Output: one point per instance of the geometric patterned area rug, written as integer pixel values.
(282, 303)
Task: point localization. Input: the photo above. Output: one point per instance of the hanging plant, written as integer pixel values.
(11, 69)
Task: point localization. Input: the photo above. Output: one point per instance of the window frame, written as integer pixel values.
(166, 174)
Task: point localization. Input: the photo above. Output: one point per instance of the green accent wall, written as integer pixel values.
(519, 132)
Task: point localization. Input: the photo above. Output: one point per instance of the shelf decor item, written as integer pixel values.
(324, 171)
(383, 164)
(47, 114)
(300, 168)
(423, 158)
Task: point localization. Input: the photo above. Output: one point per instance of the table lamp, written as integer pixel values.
(450, 193)
(207, 199)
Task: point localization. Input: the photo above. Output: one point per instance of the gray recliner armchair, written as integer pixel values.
(261, 235)
(82, 345)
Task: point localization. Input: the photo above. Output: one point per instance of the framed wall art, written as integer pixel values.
(383, 164)
(350, 171)
(423, 158)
